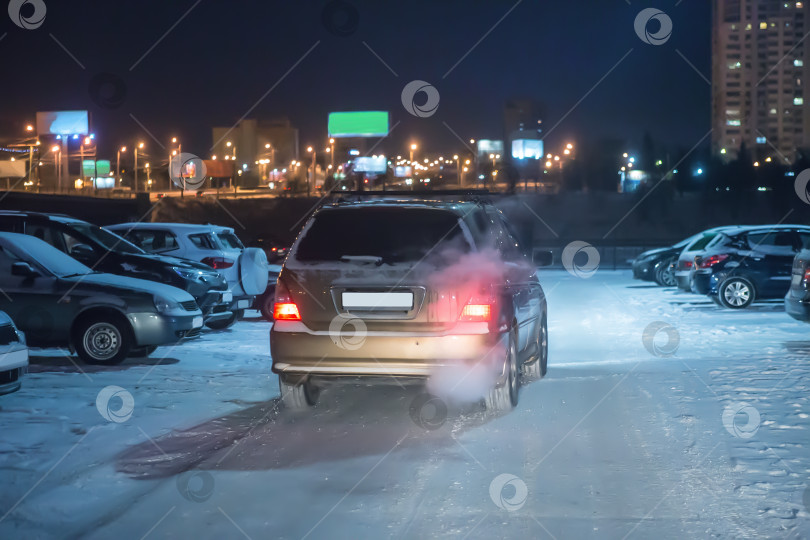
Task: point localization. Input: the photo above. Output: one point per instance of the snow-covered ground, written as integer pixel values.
(633, 433)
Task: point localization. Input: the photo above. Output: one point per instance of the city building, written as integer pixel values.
(760, 63)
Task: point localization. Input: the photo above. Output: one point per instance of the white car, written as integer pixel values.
(13, 355)
(245, 269)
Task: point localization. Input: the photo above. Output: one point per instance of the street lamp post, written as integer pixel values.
(458, 168)
(312, 183)
(135, 186)
(57, 165)
(118, 162)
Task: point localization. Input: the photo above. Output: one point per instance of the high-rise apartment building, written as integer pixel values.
(760, 63)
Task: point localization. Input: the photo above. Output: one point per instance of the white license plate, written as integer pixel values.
(243, 304)
(227, 296)
(378, 300)
(796, 279)
(197, 322)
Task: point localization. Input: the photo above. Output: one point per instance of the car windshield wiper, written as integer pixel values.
(362, 259)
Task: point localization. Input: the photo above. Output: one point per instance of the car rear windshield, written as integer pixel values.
(701, 243)
(229, 241)
(393, 234)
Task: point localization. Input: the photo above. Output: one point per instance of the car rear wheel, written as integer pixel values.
(222, 324)
(505, 397)
(736, 293)
(300, 396)
(665, 273)
(102, 340)
(267, 301)
(538, 367)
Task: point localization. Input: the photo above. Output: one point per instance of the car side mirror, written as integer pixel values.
(23, 269)
(542, 257)
(82, 252)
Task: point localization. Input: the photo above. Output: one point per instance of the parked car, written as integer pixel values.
(245, 269)
(13, 355)
(58, 301)
(107, 252)
(275, 250)
(394, 269)
(265, 301)
(797, 299)
(685, 266)
(656, 264)
(745, 264)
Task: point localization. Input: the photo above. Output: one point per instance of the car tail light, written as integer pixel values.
(477, 309)
(711, 261)
(687, 264)
(218, 263)
(284, 308)
(806, 275)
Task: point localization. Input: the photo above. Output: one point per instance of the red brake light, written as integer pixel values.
(476, 313)
(711, 261)
(807, 275)
(687, 264)
(217, 263)
(285, 309)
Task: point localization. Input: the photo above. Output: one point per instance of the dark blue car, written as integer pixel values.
(746, 264)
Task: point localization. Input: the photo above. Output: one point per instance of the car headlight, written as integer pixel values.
(187, 273)
(163, 304)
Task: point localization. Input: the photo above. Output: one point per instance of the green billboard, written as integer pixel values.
(358, 124)
(96, 168)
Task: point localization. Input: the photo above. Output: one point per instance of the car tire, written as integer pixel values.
(736, 293)
(665, 274)
(505, 398)
(102, 340)
(223, 324)
(267, 302)
(537, 368)
(142, 352)
(298, 397)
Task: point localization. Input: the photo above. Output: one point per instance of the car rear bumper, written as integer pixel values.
(242, 302)
(156, 329)
(684, 280)
(297, 350)
(703, 283)
(796, 308)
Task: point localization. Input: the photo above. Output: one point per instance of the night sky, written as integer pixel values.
(224, 55)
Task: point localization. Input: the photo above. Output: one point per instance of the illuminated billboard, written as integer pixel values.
(487, 147)
(358, 124)
(376, 164)
(527, 149)
(93, 168)
(63, 123)
(403, 171)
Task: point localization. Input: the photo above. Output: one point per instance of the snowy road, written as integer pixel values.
(621, 439)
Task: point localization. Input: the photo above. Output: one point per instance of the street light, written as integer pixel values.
(118, 162)
(135, 185)
(311, 183)
(413, 149)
